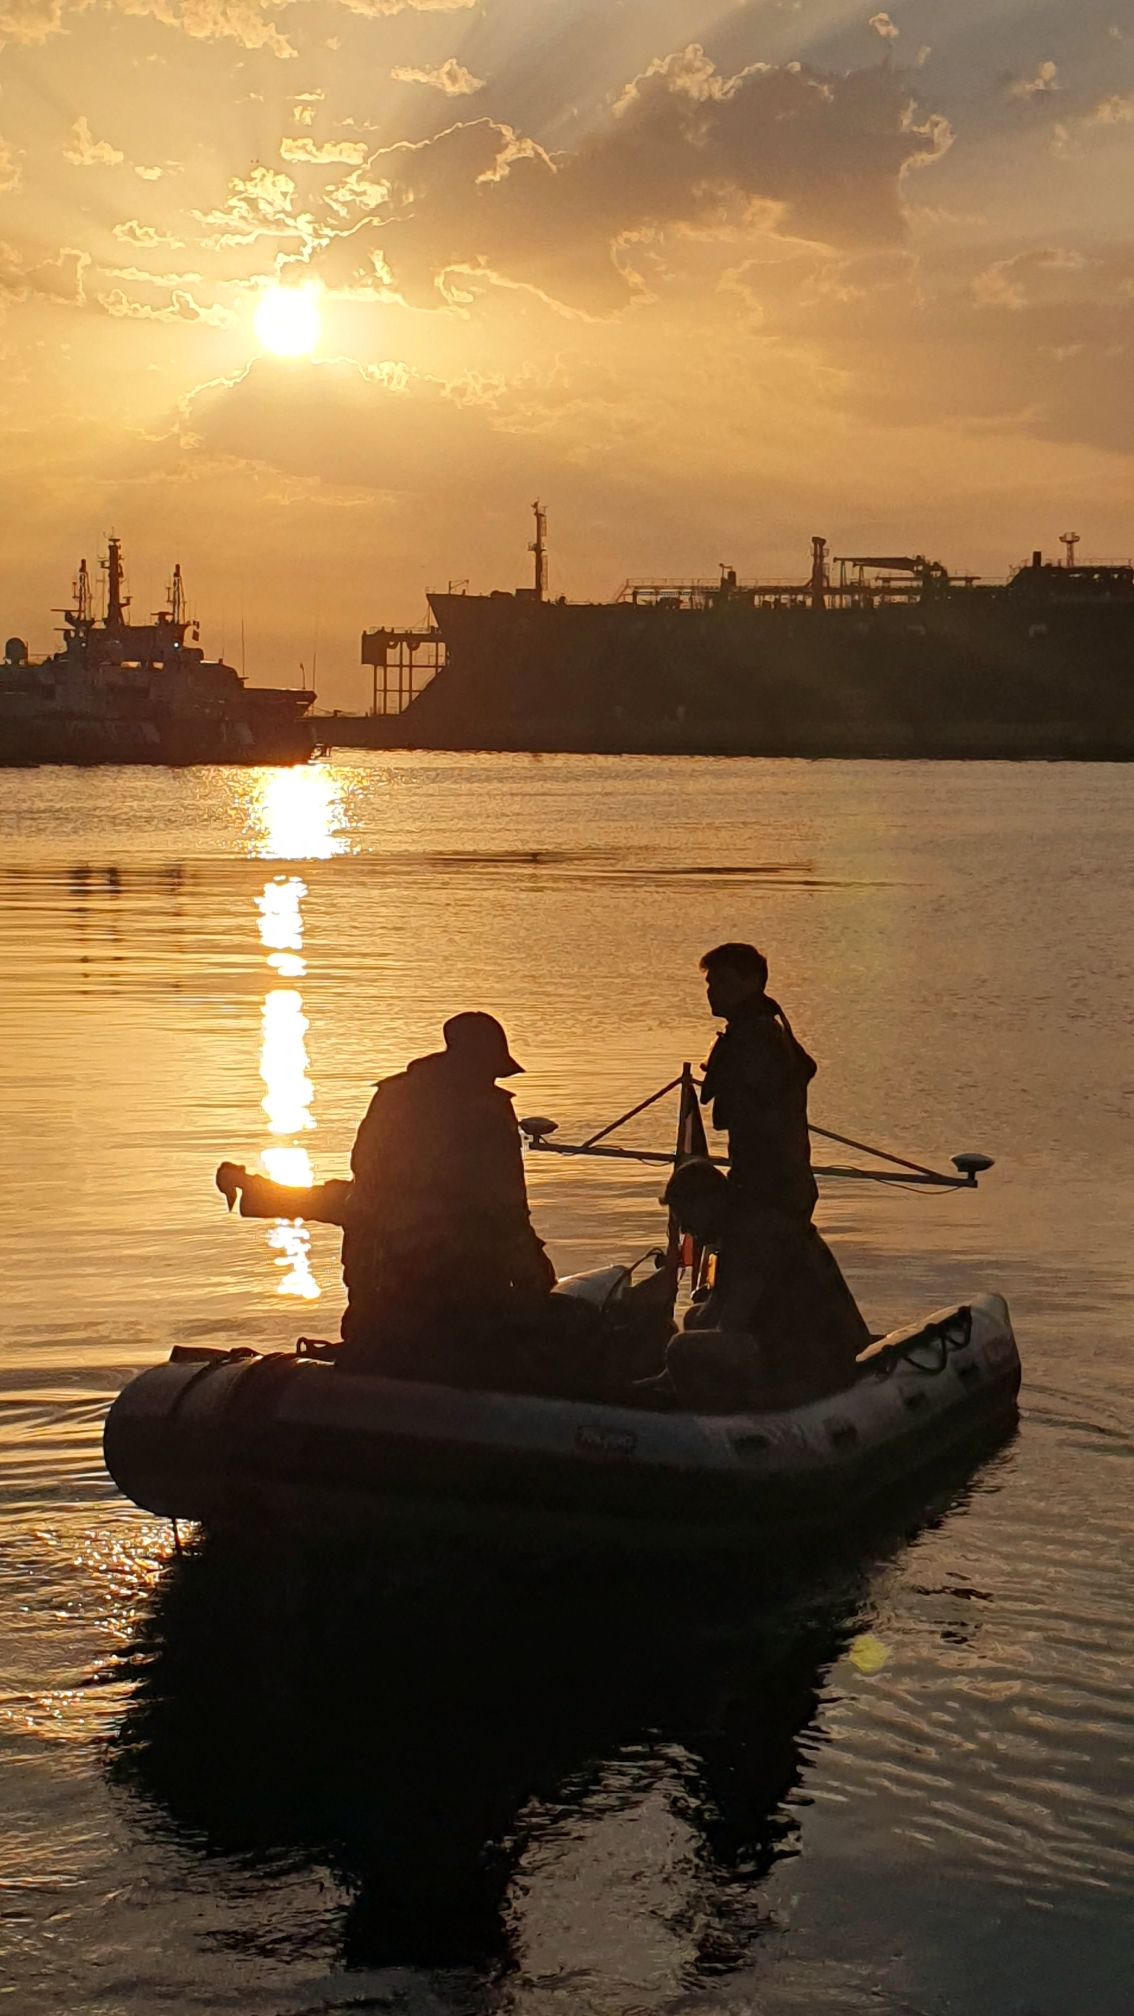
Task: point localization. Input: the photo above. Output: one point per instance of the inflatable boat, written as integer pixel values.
(290, 1443)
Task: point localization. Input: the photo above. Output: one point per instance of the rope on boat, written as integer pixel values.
(912, 1173)
(883, 1154)
(633, 1113)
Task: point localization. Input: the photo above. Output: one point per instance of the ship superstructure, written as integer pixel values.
(124, 692)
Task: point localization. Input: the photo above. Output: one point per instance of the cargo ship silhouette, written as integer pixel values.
(866, 655)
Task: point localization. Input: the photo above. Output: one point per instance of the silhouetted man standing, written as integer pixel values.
(756, 1081)
(775, 1271)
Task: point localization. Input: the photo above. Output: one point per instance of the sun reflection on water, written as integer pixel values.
(288, 1091)
(283, 1062)
(295, 815)
(290, 815)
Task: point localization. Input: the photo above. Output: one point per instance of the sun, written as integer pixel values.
(287, 321)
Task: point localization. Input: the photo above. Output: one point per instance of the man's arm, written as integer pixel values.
(321, 1203)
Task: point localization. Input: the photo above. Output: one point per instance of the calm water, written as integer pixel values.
(232, 1792)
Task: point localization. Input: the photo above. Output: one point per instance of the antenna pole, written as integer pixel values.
(1069, 541)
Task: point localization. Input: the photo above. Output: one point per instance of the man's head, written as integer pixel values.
(697, 1195)
(477, 1043)
(733, 973)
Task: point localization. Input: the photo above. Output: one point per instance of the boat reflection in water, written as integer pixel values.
(462, 1754)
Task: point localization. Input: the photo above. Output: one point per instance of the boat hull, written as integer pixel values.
(286, 1444)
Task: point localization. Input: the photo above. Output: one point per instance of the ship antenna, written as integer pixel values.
(83, 595)
(1069, 541)
(539, 548)
(177, 595)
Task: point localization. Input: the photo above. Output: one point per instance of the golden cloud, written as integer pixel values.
(30, 21)
(132, 233)
(379, 7)
(1046, 79)
(1113, 111)
(181, 307)
(248, 22)
(450, 77)
(321, 151)
(86, 152)
(10, 171)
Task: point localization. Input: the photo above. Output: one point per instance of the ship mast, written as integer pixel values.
(539, 548)
(177, 596)
(819, 576)
(116, 602)
(84, 601)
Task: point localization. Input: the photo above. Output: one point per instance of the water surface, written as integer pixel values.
(231, 1791)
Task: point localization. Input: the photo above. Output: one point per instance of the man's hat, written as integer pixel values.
(479, 1039)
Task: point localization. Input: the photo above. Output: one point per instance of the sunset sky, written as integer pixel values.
(707, 278)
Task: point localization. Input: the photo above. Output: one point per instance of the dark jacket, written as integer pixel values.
(439, 1207)
(756, 1081)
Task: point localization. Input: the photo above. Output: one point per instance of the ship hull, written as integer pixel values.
(176, 744)
(961, 676)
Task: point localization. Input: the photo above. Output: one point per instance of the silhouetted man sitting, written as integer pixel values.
(779, 1326)
(439, 1251)
(438, 1236)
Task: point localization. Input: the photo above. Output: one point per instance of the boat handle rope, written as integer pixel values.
(954, 1334)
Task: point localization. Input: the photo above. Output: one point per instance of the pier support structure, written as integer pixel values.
(402, 663)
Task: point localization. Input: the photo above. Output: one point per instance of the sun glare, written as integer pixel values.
(287, 321)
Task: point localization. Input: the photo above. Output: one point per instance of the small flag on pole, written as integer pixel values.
(682, 1253)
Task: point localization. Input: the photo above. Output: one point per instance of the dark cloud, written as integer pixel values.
(1038, 342)
(685, 148)
(59, 279)
(380, 428)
